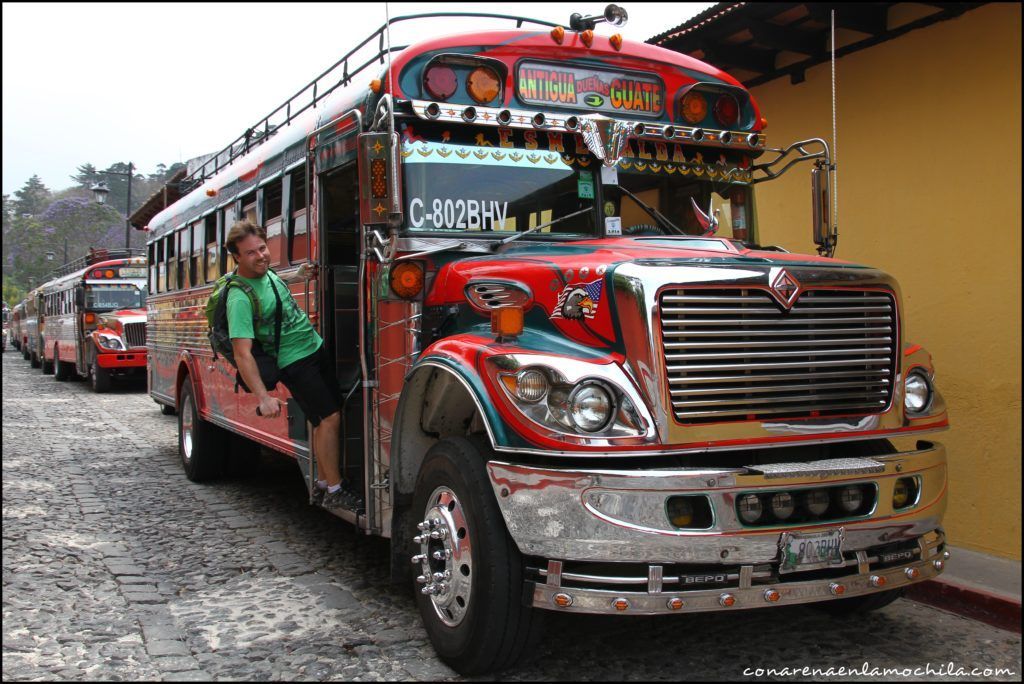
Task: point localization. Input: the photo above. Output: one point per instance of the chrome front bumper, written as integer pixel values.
(583, 517)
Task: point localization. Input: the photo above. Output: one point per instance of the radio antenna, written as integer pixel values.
(835, 149)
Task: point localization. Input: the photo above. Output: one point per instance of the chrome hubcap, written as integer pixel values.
(186, 428)
(445, 558)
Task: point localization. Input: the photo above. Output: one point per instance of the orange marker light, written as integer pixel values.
(407, 279)
(483, 85)
(507, 321)
(379, 178)
(90, 318)
(375, 85)
(616, 41)
(726, 600)
(620, 604)
(211, 193)
(695, 107)
(675, 604)
(587, 37)
(109, 273)
(558, 34)
(563, 600)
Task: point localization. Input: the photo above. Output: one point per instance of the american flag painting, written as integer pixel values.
(578, 301)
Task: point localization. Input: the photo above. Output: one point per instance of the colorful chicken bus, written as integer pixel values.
(95, 323)
(575, 377)
(7, 326)
(32, 327)
(17, 332)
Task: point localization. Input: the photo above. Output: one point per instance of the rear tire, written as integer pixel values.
(47, 365)
(62, 369)
(34, 360)
(478, 622)
(201, 445)
(860, 604)
(25, 353)
(167, 410)
(99, 378)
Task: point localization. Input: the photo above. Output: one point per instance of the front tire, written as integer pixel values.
(25, 354)
(99, 378)
(47, 365)
(472, 609)
(167, 410)
(34, 360)
(201, 445)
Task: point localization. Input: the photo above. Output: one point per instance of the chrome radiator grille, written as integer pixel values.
(135, 335)
(733, 354)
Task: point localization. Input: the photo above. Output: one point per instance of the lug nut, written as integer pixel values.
(419, 539)
(419, 558)
(422, 579)
(423, 526)
(439, 534)
(442, 555)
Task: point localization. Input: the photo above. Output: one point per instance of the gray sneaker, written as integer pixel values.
(343, 498)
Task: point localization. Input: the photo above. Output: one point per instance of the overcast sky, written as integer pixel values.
(161, 83)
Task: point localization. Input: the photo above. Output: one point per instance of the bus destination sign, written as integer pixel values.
(576, 86)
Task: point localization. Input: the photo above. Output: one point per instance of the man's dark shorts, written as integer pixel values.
(312, 384)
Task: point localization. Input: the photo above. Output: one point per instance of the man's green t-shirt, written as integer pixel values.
(298, 337)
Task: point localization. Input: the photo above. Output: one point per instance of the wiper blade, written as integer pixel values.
(505, 241)
(657, 215)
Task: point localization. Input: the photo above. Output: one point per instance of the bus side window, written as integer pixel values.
(152, 267)
(212, 262)
(184, 243)
(249, 210)
(161, 276)
(273, 221)
(298, 234)
(196, 267)
(227, 221)
(172, 262)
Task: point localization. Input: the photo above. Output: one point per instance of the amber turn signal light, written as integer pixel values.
(616, 41)
(483, 85)
(507, 321)
(90, 318)
(558, 34)
(407, 279)
(587, 37)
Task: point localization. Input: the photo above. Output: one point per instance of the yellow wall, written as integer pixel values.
(929, 152)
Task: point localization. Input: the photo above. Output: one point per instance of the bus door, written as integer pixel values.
(336, 196)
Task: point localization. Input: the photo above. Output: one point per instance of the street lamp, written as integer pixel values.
(100, 192)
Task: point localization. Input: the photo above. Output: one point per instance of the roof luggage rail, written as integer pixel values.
(263, 129)
(94, 256)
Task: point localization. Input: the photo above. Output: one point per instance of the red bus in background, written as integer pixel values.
(95, 318)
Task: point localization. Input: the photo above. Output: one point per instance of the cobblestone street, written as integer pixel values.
(116, 567)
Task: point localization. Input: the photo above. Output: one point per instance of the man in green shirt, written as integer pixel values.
(300, 356)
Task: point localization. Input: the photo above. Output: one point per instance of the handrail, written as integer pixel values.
(254, 134)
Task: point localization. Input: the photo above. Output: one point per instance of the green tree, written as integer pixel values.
(32, 198)
(12, 292)
(86, 176)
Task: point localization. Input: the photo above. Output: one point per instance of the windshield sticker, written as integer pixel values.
(579, 301)
(595, 89)
(457, 214)
(613, 225)
(585, 185)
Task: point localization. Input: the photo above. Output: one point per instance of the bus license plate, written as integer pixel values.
(811, 550)
(133, 272)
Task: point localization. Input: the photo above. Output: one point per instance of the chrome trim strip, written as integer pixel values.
(747, 594)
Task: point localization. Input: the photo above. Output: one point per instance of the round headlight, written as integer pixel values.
(918, 393)
(531, 385)
(590, 407)
(750, 508)
(816, 501)
(783, 505)
(850, 498)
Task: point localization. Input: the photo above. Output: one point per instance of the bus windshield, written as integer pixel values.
(111, 297)
(476, 188)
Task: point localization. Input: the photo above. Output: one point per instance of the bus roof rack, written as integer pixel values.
(94, 256)
(264, 128)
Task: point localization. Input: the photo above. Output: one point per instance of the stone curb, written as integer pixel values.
(977, 604)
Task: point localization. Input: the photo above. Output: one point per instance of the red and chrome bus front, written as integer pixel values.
(120, 340)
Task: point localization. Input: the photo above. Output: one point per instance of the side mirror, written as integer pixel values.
(80, 297)
(820, 206)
